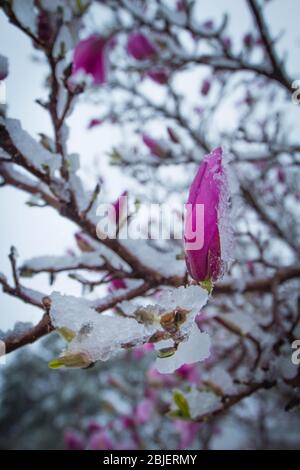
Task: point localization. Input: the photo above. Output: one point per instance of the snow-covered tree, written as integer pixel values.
(204, 118)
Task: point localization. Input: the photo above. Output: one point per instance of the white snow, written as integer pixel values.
(243, 322)
(99, 336)
(46, 263)
(222, 379)
(164, 263)
(195, 349)
(201, 402)
(102, 336)
(35, 153)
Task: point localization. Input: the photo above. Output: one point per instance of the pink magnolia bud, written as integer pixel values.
(187, 431)
(119, 206)
(73, 441)
(101, 441)
(189, 372)
(210, 189)
(140, 47)
(159, 76)
(82, 242)
(205, 88)
(181, 6)
(116, 284)
(94, 123)
(90, 57)
(173, 136)
(144, 410)
(251, 267)
(226, 41)
(280, 175)
(93, 426)
(209, 24)
(45, 28)
(155, 148)
(248, 40)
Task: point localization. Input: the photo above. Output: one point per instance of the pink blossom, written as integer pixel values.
(119, 206)
(73, 441)
(116, 284)
(127, 422)
(83, 242)
(189, 372)
(210, 189)
(140, 47)
(209, 24)
(158, 75)
(181, 6)
(90, 56)
(187, 431)
(94, 122)
(248, 40)
(205, 88)
(280, 175)
(227, 43)
(44, 26)
(144, 411)
(251, 267)
(93, 426)
(139, 352)
(100, 441)
(173, 136)
(156, 149)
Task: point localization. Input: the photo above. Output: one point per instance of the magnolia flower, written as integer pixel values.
(248, 40)
(173, 136)
(45, 28)
(116, 284)
(120, 206)
(82, 242)
(140, 47)
(210, 189)
(154, 146)
(205, 87)
(73, 441)
(227, 43)
(90, 57)
(100, 440)
(94, 123)
(159, 76)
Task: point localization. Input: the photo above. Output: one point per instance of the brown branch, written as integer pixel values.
(14, 342)
(260, 285)
(278, 73)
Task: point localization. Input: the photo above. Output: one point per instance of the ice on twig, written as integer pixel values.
(195, 349)
(93, 336)
(201, 402)
(34, 153)
(98, 336)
